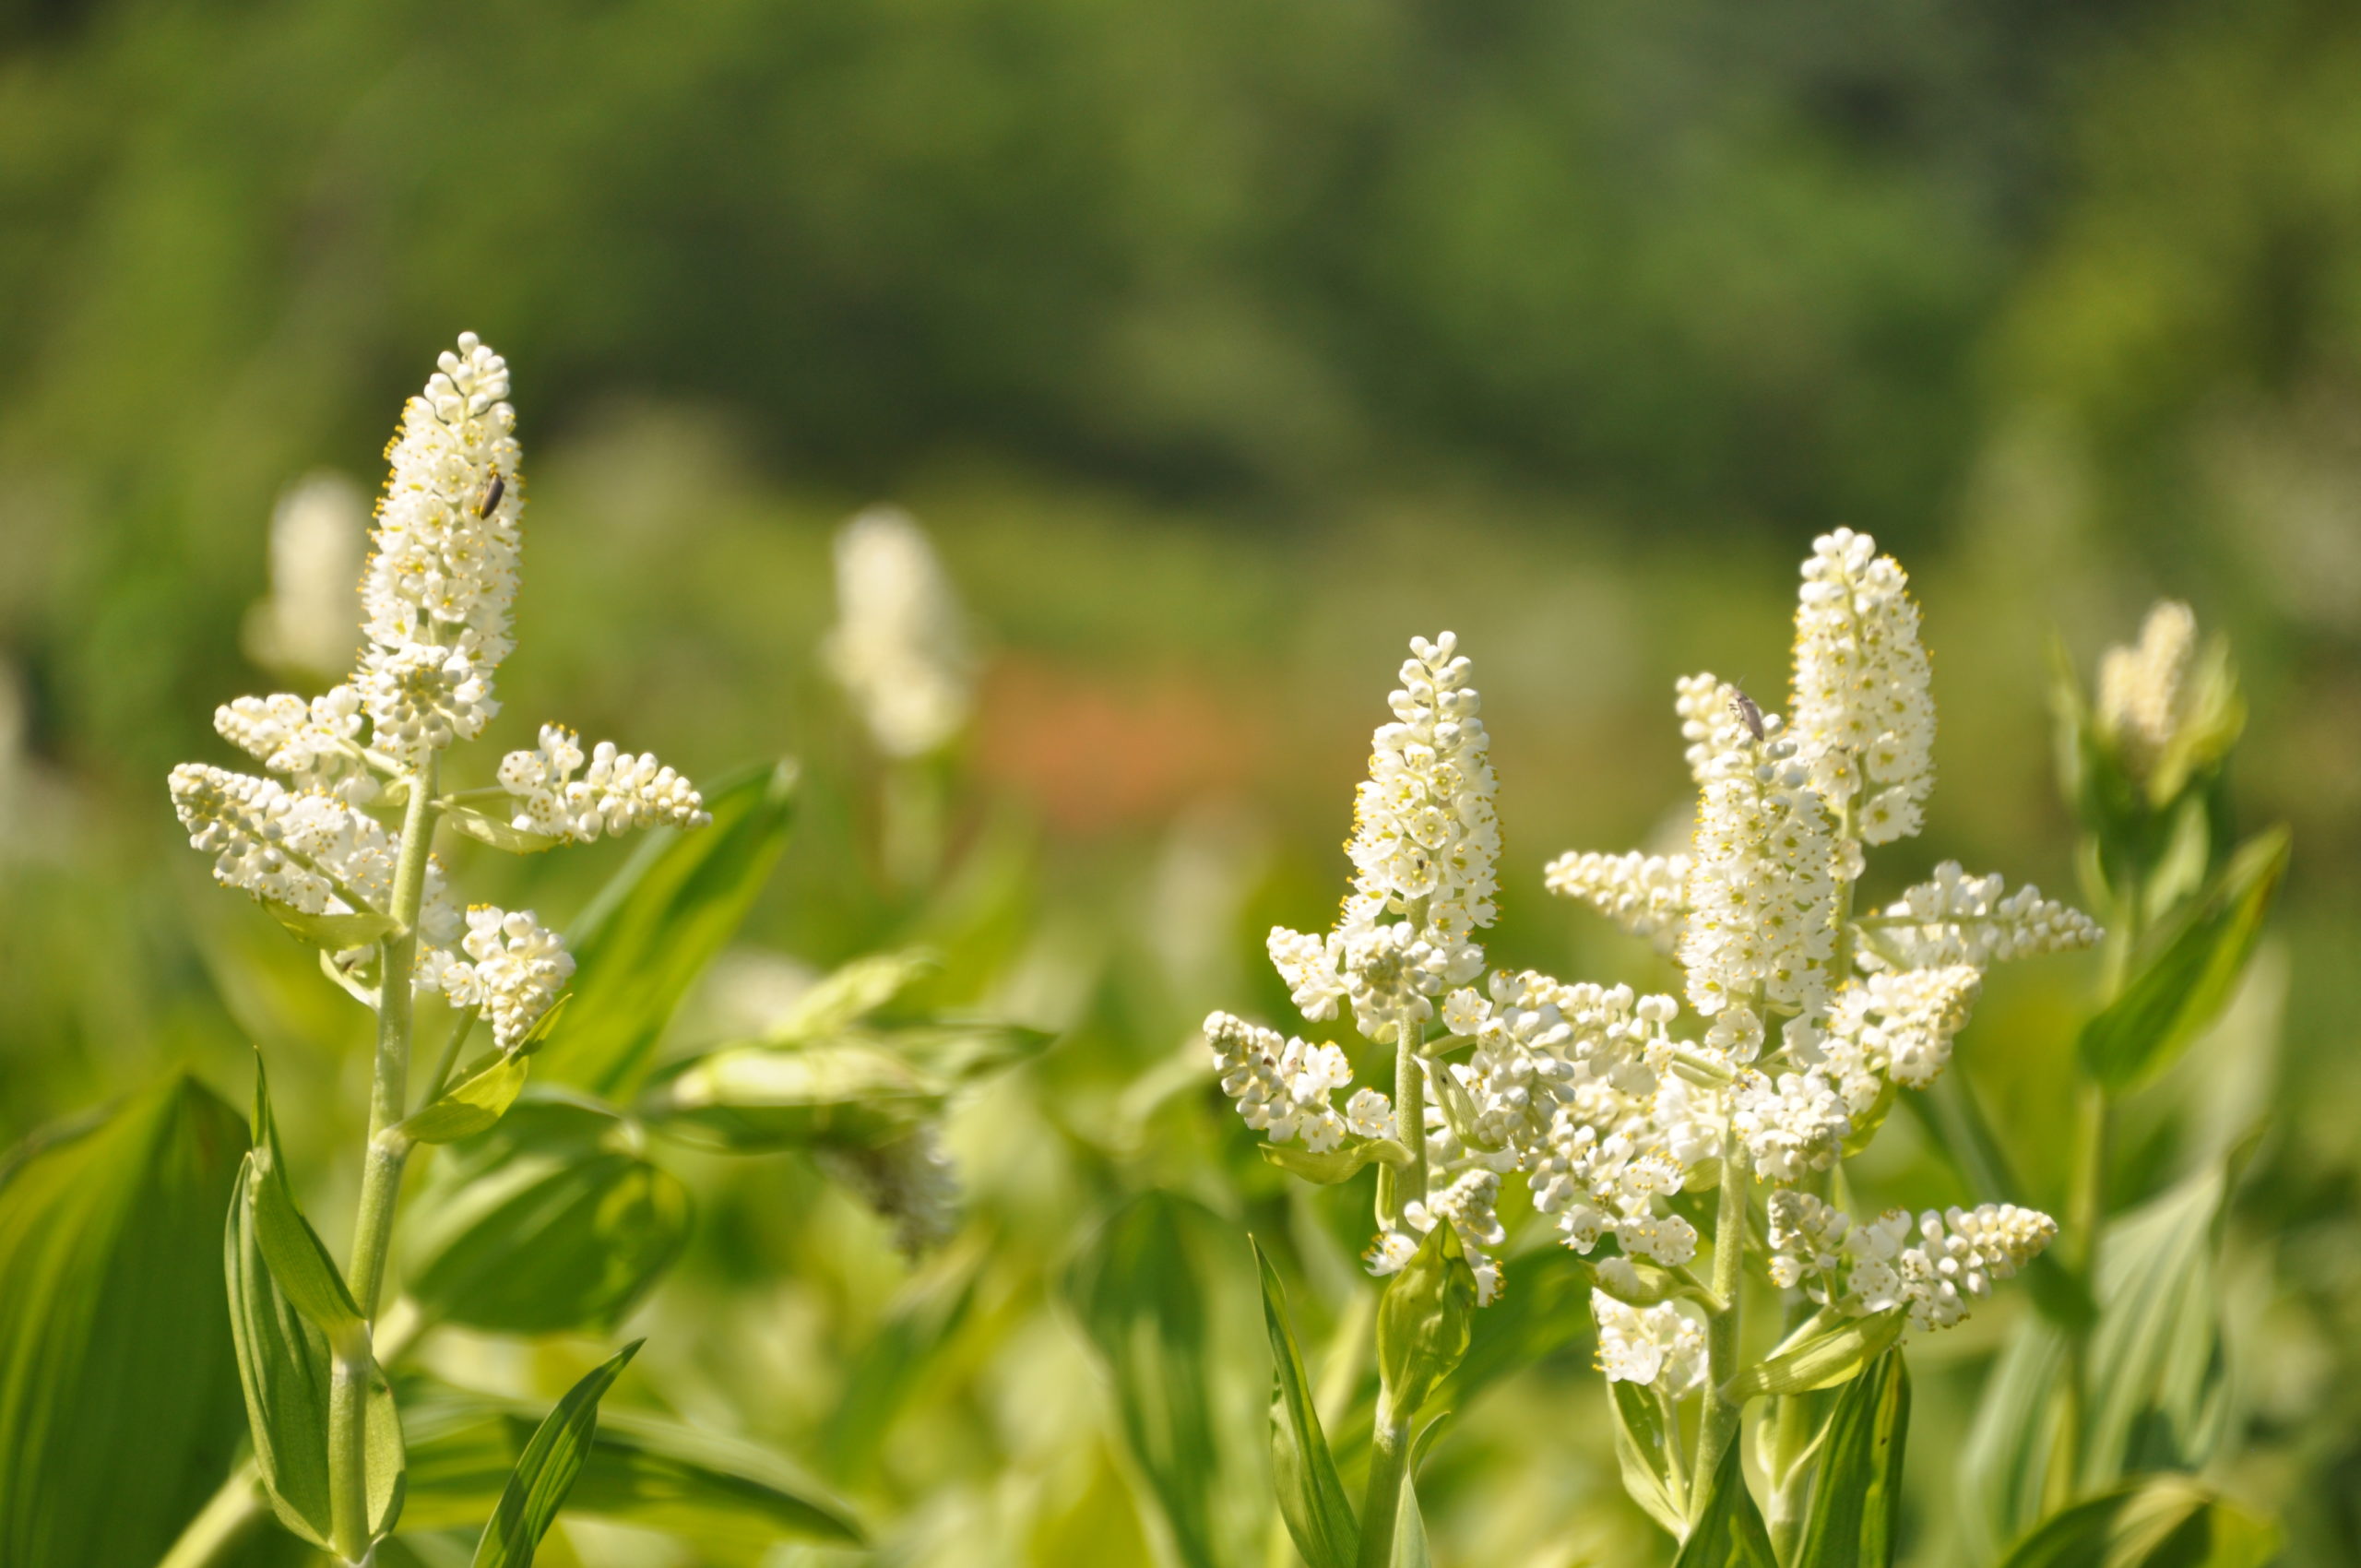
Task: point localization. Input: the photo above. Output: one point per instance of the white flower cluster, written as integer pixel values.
(1762, 890)
(317, 744)
(1872, 1266)
(899, 646)
(1663, 1345)
(621, 791)
(1285, 1087)
(309, 851)
(310, 620)
(2143, 690)
(1425, 843)
(442, 577)
(1897, 1026)
(1791, 1124)
(513, 969)
(1647, 895)
(1863, 708)
(1956, 918)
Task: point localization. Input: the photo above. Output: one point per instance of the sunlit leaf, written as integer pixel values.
(487, 1088)
(1424, 1321)
(731, 1500)
(849, 995)
(114, 1346)
(300, 1266)
(1311, 1499)
(331, 934)
(545, 1472)
(1822, 1358)
(2005, 1461)
(2159, 1398)
(754, 1098)
(498, 831)
(2186, 982)
(666, 915)
(2159, 1522)
(549, 1221)
(1330, 1165)
(1856, 1514)
(1644, 1455)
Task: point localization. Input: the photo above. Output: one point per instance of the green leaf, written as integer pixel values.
(114, 1345)
(922, 1319)
(1857, 1495)
(749, 1099)
(1730, 1531)
(2160, 1522)
(958, 1052)
(487, 1088)
(2005, 1461)
(1542, 1310)
(1410, 1549)
(1335, 1165)
(545, 1471)
(2159, 1398)
(332, 933)
(499, 832)
(1644, 1455)
(285, 1368)
(666, 915)
(851, 993)
(2190, 980)
(1311, 1499)
(300, 1266)
(731, 1500)
(1822, 1358)
(1141, 1292)
(549, 1221)
(1424, 1320)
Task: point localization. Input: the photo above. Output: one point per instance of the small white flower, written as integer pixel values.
(1647, 895)
(310, 621)
(2143, 690)
(1865, 714)
(620, 792)
(1660, 1345)
(1956, 918)
(513, 969)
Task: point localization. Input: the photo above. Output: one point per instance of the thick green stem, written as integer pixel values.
(1389, 1459)
(1718, 1428)
(381, 1174)
(221, 1524)
(1410, 1111)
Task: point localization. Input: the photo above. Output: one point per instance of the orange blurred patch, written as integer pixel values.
(1102, 751)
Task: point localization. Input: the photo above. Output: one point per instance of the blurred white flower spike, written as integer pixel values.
(318, 537)
(900, 645)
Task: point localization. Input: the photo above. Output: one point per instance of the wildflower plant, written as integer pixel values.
(550, 1212)
(1690, 1146)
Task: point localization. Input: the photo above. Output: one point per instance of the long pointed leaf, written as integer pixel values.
(2161, 1522)
(1729, 1532)
(1856, 1493)
(545, 1471)
(1311, 1499)
(119, 1406)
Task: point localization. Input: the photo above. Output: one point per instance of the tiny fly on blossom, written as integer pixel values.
(492, 494)
(1748, 714)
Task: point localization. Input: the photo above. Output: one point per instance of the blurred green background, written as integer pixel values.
(1222, 347)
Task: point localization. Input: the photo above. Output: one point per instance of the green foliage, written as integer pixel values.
(299, 1263)
(1311, 1498)
(1337, 1164)
(1143, 1290)
(1646, 1437)
(330, 934)
(1730, 1531)
(1855, 1518)
(1424, 1322)
(666, 915)
(732, 1500)
(487, 1088)
(2195, 968)
(546, 1470)
(1820, 1355)
(2159, 1396)
(2161, 1522)
(114, 1347)
(549, 1221)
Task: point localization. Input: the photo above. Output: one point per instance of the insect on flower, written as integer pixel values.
(492, 492)
(1741, 704)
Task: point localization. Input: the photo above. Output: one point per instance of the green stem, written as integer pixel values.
(1410, 1111)
(381, 1174)
(1388, 1458)
(221, 1524)
(1718, 1428)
